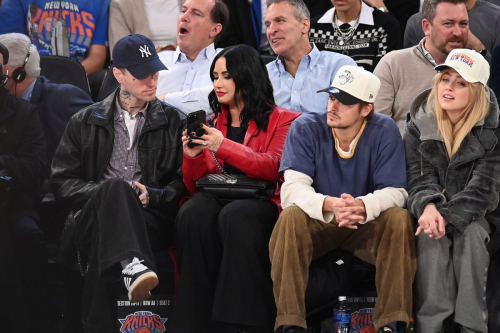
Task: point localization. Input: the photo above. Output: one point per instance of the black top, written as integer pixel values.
(494, 82)
(367, 45)
(236, 134)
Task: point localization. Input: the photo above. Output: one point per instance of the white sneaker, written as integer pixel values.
(139, 281)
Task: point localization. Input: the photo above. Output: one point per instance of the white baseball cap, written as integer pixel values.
(353, 84)
(470, 64)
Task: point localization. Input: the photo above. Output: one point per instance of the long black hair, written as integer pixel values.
(249, 73)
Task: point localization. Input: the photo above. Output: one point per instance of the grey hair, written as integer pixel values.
(18, 45)
(429, 7)
(300, 9)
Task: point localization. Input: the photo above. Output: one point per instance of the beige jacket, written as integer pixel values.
(403, 74)
(128, 17)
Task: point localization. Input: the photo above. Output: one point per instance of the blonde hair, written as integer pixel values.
(476, 110)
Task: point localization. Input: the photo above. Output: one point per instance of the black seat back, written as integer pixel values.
(59, 69)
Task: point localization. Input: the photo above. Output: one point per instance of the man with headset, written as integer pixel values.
(55, 103)
(23, 158)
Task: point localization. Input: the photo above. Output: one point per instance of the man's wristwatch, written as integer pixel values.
(383, 9)
(483, 52)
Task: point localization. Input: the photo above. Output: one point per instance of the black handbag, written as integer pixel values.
(235, 186)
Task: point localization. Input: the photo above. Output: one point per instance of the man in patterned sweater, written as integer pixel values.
(357, 30)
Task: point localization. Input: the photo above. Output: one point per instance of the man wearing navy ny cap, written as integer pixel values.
(118, 169)
(345, 180)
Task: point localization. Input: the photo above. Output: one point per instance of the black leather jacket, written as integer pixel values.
(85, 150)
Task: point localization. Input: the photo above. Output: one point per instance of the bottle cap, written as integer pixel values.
(342, 298)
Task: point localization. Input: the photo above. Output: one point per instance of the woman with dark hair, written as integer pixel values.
(225, 272)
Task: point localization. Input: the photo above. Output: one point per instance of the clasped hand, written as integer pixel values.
(347, 210)
(432, 223)
(211, 140)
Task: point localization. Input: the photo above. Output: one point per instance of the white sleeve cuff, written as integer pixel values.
(297, 191)
(381, 200)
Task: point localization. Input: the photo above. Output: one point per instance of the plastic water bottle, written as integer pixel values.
(342, 317)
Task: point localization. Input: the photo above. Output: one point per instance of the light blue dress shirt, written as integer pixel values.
(26, 95)
(187, 83)
(315, 72)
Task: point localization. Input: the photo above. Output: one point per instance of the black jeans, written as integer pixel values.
(23, 273)
(225, 271)
(29, 244)
(113, 226)
(30, 249)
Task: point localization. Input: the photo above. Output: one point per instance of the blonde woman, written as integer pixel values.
(453, 166)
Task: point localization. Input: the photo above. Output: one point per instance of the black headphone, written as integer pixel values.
(5, 53)
(19, 74)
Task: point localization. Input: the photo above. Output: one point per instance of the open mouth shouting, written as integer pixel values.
(183, 31)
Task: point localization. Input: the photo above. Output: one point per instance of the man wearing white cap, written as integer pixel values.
(345, 180)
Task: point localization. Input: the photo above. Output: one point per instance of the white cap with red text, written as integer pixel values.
(470, 64)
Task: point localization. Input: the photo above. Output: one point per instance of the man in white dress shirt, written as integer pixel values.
(187, 83)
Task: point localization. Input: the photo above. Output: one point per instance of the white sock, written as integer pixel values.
(125, 262)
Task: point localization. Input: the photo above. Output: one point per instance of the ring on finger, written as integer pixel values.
(204, 143)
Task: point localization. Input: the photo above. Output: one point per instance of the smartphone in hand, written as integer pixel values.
(194, 122)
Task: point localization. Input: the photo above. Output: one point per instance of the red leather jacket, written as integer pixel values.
(257, 157)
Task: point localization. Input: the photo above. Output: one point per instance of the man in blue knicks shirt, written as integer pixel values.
(300, 69)
(345, 180)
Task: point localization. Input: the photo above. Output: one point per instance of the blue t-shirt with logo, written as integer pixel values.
(86, 21)
(378, 160)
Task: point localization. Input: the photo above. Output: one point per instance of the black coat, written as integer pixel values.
(85, 150)
(239, 29)
(494, 81)
(56, 104)
(465, 188)
(22, 154)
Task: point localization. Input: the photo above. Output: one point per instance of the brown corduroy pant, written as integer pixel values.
(386, 242)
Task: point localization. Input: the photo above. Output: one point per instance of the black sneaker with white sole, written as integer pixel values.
(139, 281)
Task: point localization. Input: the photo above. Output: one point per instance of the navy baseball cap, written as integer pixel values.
(137, 54)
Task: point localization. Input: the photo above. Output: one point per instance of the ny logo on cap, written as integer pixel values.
(144, 51)
(346, 78)
(463, 58)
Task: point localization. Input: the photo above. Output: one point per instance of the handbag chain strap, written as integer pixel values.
(220, 167)
(218, 164)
